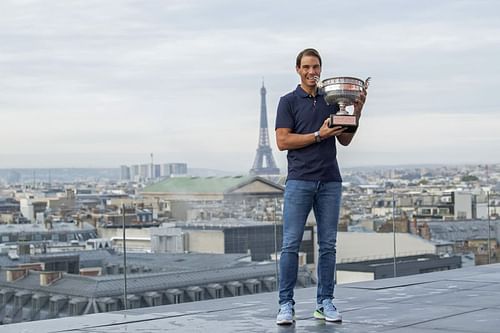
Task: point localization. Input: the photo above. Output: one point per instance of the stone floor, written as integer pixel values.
(462, 300)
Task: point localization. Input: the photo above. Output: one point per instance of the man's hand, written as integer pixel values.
(358, 105)
(326, 132)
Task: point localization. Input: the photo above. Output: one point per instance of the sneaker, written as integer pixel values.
(286, 314)
(327, 311)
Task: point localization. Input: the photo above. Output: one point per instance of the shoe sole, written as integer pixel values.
(320, 316)
(333, 320)
(285, 322)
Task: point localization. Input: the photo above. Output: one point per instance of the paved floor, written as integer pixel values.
(463, 300)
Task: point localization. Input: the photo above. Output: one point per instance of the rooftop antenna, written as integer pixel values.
(488, 211)
(276, 244)
(394, 230)
(489, 227)
(152, 167)
(124, 238)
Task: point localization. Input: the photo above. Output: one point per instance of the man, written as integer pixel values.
(313, 182)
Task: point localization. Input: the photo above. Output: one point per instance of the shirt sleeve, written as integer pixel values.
(284, 116)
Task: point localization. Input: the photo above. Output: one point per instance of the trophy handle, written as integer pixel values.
(367, 82)
(319, 84)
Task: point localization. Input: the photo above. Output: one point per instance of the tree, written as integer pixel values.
(469, 178)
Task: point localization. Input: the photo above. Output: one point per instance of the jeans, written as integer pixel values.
(300, 197)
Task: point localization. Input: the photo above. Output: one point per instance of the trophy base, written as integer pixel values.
(349, 122)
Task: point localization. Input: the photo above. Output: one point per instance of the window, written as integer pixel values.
(443, 211)
(35, 305)
(426, 211)
(53, 308)
(237, 291)
(197, 296)
(73, 310)
(110, 307)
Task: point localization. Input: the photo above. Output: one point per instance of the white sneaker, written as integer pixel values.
(327, 311)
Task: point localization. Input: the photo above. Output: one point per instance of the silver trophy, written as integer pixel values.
(344, 91)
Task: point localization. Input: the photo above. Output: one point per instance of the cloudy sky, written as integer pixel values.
(107, 82)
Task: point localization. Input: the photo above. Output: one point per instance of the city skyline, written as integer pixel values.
(92, 84)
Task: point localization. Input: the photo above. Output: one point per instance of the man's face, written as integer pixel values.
(308, 70)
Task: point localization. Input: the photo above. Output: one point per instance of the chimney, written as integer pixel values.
(91, 271)
(79, 221)
(426, 232)
(70, 193)
(47, 278)
(14, 274)
(48, 223)
(413, 228)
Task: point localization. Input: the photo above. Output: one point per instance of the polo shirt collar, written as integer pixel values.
(301, 93)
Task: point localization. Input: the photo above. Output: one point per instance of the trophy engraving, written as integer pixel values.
(344, 91)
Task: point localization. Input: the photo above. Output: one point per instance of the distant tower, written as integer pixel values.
(264, 150)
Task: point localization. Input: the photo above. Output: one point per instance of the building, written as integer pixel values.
(152, 171)
(124, 172)
(36, 235)
(259, 239)
(384, 268)
(175, 169)
(364, 248)
(168, 239)
(463, 205)
(28, 294)
(33, 209)
(469, 236)
(191, 198)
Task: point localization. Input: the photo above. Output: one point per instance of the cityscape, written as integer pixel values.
(145, 150)
(70, 237)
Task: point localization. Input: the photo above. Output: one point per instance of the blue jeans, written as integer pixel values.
(300, 197)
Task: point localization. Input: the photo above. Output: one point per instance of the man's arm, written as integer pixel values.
(346, 138)
(286, 140)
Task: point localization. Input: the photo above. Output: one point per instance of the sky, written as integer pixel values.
(100, 83)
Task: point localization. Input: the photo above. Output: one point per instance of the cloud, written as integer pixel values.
(184, 76)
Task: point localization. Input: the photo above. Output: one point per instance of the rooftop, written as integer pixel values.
(196, 184)
(464, 230)
(215, 185)
(461, 300)
(39, 228)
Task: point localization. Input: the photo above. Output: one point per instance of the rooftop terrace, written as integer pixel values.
(461, 300)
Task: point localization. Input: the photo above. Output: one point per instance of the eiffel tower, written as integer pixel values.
(264, 152)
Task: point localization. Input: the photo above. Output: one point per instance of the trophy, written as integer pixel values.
(344, 91)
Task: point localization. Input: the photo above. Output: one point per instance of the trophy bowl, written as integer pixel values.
(343, 90)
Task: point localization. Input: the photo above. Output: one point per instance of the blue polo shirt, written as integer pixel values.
(305, 114)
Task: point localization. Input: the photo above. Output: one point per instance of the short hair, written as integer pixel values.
(308, 52)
